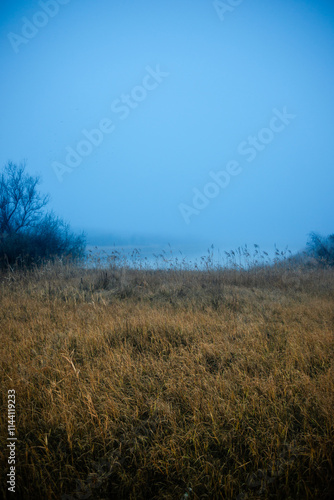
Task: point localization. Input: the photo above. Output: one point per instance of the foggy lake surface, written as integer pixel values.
(182, 256)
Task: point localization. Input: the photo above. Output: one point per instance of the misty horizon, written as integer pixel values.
(174, 123)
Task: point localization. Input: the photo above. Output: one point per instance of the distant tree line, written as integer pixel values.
(28, 233)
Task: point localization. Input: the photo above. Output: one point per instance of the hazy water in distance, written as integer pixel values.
(182, 256)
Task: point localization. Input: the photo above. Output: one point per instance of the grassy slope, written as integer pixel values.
(138, 385)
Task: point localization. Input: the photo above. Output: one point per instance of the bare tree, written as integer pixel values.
(28, 233)
(21, 205)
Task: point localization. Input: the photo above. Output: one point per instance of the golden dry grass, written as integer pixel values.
(169, 384)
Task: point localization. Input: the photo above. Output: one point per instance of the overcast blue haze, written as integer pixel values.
(203, 122)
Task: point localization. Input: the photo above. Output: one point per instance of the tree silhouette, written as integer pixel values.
(28, 233)
(21, 205)
(322, 248)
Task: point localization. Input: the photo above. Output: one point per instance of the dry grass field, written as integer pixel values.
(175, 384)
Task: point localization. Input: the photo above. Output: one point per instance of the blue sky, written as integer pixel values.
(179, 90)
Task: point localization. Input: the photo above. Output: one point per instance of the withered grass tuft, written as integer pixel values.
(169, 384)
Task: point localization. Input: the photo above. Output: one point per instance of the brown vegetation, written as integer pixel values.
(132, 384)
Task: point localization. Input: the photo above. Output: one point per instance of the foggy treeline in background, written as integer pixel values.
(29, 233)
